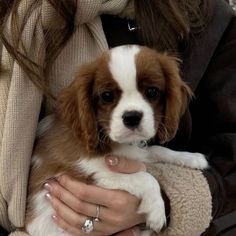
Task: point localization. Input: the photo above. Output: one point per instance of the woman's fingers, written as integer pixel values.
(124, 165)
(75, 201)
(59, 193)
(72, 201)
(68, 204)
(75, 231)
(72, 221)
(66, 213)
(118, 203)
(89, 193)
(67, 227)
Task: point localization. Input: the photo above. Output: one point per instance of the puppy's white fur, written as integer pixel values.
(43, 224)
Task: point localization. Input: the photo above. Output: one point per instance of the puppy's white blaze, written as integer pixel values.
(43, 223)
(122, 66)
(123, 69)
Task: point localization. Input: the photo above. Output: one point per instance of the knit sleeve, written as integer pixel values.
(20, 104)
(190, 199)
(5, 79)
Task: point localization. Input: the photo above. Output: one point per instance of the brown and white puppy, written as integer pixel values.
(126, 97)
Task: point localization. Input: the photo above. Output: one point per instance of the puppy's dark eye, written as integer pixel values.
(107, 96)
(152, 92)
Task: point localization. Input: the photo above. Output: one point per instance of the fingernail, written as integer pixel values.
(48, 197)
(55, 218)
(48, 187)
(112, 160)
(135, 232)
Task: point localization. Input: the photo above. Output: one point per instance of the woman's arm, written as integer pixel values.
(214, 129)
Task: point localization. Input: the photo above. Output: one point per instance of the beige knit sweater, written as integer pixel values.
(20, 105)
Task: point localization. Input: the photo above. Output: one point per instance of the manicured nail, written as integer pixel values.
(112, 160)
(48, 197)
(135, 232)
(55, 218)
(48, 187)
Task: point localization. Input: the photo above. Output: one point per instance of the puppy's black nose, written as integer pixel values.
(131, 119)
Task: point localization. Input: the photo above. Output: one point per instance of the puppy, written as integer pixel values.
(116, 104)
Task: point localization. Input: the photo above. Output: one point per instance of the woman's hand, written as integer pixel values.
(75, 201)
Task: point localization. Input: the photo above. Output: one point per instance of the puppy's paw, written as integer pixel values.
(191, 160)
(154, 209)
(198, 161)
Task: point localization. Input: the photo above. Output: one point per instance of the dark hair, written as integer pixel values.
(164, 23)
(4, 8)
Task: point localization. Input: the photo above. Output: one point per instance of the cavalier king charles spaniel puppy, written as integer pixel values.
(116, 104)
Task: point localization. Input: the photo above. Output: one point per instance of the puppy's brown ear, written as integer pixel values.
(75, 107)
(176, 100)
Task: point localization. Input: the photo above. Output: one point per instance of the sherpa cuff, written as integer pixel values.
(190, 199)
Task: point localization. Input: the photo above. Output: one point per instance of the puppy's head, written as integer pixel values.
(129, 94)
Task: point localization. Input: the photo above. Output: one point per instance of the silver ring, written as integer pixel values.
(96, 219)
(88, 226)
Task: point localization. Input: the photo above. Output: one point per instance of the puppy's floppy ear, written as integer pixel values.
(176, 100)
(75, 107)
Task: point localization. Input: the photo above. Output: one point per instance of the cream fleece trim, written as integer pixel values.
(190, 199)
